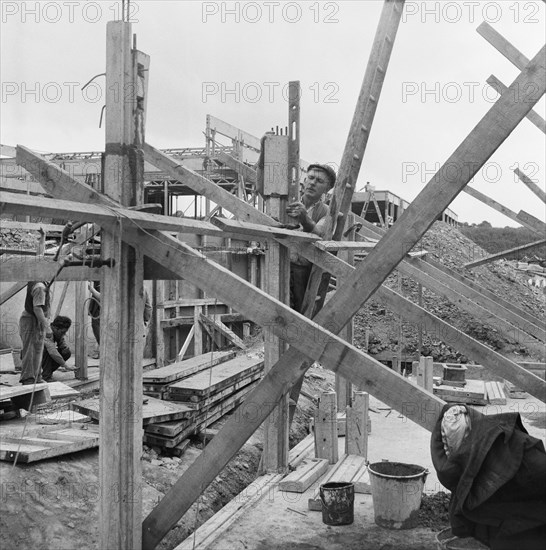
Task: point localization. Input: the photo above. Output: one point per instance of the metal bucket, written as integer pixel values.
(397, 489)
(337, 503)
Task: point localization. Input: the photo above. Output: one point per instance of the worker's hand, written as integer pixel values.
(67, 368)
(296, 210)
(46, 330)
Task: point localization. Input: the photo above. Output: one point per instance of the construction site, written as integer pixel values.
(224, 346)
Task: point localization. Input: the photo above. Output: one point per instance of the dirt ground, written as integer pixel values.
(53, 504)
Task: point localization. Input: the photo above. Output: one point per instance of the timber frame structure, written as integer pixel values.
(140, 246)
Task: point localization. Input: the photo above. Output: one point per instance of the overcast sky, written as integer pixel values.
(234, 59)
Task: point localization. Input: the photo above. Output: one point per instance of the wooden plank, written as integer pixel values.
(533, 116)
(529, 223)
(80, 333)
(201, 420)
(34, 449)
(200, 402)
(531, 184)
(502, 45)
(216, 322)
(63, 417)
(332, 246)
(326, 445)
(122, 303)
(306, 474)
(504, 253)
(257, 231)
(58, 390)
(187, 367)
(207, 382)
(186, 344)
(12, 291)
(248, 173)
(31, 226)
(9, 392)
(356, 438)
(154, 410)
(36, 269)
(472, 393)
(494, 393)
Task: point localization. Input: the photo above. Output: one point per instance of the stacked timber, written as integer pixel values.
(157, 381)
(209, 394)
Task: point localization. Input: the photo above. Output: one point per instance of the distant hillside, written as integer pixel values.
(497, 239)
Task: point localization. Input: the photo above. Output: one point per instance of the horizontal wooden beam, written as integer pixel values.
(504, 253)
(345, 245)
(256, 232)
(530, 223)
(27, 269)
(531, 185)
(31, 226)
(102, 215)
(533, 116)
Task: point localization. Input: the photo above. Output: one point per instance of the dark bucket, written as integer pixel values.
(337, 503)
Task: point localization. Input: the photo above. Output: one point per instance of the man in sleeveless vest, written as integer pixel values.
(33, 329)
(311, 214)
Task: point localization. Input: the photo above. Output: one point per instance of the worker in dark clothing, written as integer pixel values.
(33, 329)
(56, 350)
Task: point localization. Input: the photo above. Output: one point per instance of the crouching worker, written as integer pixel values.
(56, 350)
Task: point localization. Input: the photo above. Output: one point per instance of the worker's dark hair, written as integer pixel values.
(62, 322)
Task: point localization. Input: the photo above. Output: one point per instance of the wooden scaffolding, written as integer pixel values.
(140, 245)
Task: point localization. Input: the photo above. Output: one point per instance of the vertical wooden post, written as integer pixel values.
(420, 327)
(197, 331)
(356, 437)
(344, 388)
(159, 339)
(80, 332)
(326, 445)
(122, 304)
(428, 374)
(277, 277)
(421, 372)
